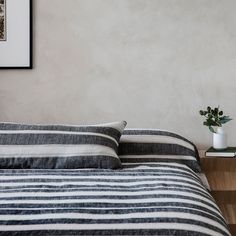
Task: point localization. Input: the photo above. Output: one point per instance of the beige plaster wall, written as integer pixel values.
(154, 63)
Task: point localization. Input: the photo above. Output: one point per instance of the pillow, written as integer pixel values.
(60, 146)
(139, 146)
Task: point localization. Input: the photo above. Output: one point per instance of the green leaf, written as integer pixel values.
(211, 129)
(210, 116)
(216, 110)
(201, 112)
(225, 119)
(211, 122)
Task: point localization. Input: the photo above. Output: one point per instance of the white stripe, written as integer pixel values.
(141, 163)
(158, 166)
(140, 215)
(56, 132)
(96, 193)
(156, 180)
(111, 201)
(116, 173)
(73, 190)
(114, 177)
(118, 226)
(118, 125)
(56, 150)
(101, 193)
(127, 207)
(90, 183)
(178, 157)
(170, 165)
(148, 170)
(145, 138)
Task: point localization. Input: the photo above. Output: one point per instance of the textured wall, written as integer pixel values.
(154, 63)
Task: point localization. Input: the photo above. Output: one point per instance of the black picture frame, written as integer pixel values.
(30, 66)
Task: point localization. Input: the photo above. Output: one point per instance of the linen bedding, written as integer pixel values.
(166, 199)
(31, 146)
(150, 146)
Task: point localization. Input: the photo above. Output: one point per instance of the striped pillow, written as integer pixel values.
(59, 146)
(138, 146)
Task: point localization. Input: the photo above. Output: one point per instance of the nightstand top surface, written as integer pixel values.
(202, 155)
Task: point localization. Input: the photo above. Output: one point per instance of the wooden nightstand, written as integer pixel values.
(221, 175)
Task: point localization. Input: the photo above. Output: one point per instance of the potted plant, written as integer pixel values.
(216, 118)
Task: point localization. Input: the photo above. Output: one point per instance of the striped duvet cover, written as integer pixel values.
(168, 199)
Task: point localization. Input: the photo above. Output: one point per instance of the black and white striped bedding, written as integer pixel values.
(150, 146)
(167, 199)
(60, 146)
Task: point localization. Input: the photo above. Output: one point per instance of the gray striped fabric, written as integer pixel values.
(149, 147)
(59, 146)
(168, 199)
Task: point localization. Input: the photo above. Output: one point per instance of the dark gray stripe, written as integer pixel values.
(93, 129)
(163, 133)
(101, 211)
(116, 221)
(157, 149)
(97, 181)
(134, 148)
(69, 188)
(119, 197)
(104, 190)
(141, 171)
(97, 204)
(210, 214)
(124, 232)
(65, 162)
(154, 148)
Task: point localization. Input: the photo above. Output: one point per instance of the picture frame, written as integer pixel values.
(16, 44)
(2, 20)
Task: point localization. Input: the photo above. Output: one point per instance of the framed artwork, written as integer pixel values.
(2, 20)
(16, 40)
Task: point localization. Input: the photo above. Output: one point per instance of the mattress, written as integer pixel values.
(168, 199)
(204, 180)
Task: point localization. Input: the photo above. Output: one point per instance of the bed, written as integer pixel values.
(153, 198)
(168, 199)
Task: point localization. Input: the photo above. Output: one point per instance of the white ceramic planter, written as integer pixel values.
(220, 139)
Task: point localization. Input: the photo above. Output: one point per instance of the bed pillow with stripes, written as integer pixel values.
(60, 146)
(139, 146)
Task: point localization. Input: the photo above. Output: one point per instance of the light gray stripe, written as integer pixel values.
(21, 151)
(144, 138)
